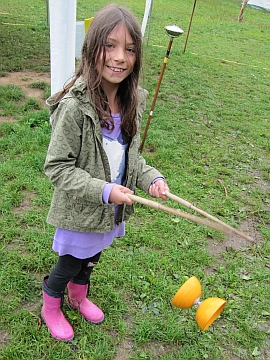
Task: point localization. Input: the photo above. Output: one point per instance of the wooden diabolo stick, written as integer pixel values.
(159, 206)
(216, 224)
(156, 93)
(187, 204)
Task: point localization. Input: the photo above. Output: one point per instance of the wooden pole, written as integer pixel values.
(156, 93)
(190, 22)
(240, 16)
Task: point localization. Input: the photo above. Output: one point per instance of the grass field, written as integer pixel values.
(209, 136)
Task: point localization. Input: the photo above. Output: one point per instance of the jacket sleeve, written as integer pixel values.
(146, 175)
(63, 152)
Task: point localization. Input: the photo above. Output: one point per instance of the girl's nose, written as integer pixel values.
(120, 54)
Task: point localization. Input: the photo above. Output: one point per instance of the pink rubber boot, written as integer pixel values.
(52, 315)
(77, 299)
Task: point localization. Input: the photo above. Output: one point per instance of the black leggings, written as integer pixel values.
(68, 268)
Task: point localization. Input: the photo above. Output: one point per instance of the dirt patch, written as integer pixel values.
(4, 339)
(124, 350)
(23, 80)
(9, 119)
(234, 241)
(218, 247)
(25, 205)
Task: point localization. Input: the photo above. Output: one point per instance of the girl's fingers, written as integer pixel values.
(158, 189)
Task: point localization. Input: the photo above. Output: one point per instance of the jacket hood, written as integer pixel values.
(78, 90)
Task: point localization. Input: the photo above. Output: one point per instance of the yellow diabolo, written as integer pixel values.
(189, 294)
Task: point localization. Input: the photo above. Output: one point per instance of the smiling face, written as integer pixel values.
(120, 57)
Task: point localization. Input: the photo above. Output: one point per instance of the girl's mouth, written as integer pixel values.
(117, 70)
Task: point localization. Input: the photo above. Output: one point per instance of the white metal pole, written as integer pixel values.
(62, 42)
(147, 11)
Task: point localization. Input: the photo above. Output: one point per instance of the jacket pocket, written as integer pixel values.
(88, 215)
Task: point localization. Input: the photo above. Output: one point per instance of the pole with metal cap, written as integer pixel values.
(172, 31)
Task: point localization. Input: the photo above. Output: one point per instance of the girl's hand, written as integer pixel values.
(118, 197)
(158, 189)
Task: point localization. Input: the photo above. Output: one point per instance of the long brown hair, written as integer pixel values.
(93, 49)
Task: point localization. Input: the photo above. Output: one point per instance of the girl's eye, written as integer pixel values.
(131, 50)
(109, 46)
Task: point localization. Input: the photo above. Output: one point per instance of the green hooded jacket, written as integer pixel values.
(78, 167)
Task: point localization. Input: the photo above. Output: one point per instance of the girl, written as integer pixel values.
(93, 162)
